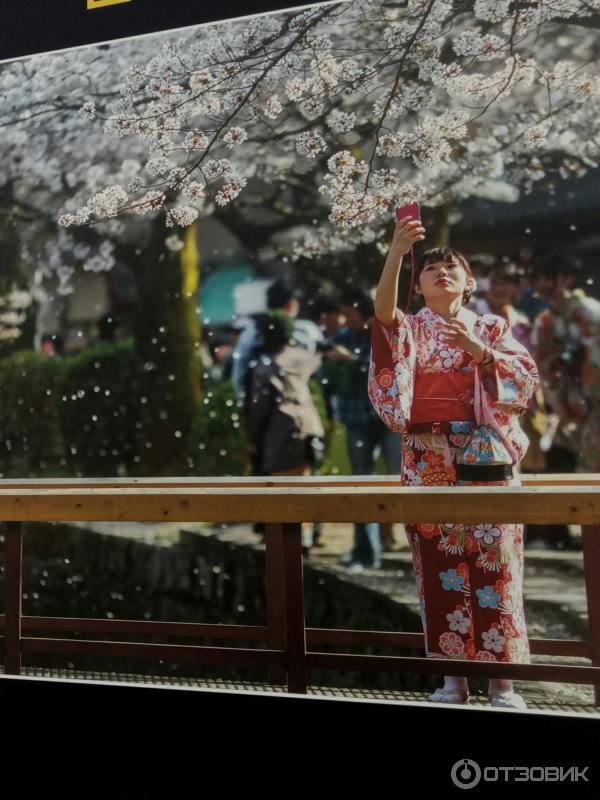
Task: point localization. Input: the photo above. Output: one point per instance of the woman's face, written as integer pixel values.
(443, 280)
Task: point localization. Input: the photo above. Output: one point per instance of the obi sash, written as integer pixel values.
(442, 396)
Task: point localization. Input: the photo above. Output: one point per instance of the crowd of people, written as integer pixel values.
(494, 372)
(279, 351)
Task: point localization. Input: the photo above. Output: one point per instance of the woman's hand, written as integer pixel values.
(456, 334)
(406, 233)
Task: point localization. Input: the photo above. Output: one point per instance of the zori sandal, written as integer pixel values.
(507, 700)
(449, 696)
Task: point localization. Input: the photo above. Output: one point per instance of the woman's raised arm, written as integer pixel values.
(406, 233)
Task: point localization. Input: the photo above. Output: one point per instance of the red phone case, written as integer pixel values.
(412, 210)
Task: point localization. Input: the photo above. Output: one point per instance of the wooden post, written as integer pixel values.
(591, 566)
(275, 571)
(13, 580)
(294, 608)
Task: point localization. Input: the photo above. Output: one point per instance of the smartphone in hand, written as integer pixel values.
(412, 210)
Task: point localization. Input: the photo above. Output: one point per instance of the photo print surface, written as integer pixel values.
(154, 189)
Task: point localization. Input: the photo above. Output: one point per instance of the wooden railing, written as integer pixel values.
(284, 644)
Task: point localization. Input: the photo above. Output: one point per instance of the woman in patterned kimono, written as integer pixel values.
(453, 383)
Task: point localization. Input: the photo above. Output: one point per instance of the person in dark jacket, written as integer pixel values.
(282, 421)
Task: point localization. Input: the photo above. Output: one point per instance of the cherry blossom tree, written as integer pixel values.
(50, 151)
(300, 131)
(362, 106)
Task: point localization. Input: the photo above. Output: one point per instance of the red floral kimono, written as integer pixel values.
(469, 577)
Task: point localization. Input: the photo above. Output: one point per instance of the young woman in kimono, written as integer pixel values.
(453, 383)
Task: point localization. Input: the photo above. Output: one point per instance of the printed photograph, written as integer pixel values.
(352, 238)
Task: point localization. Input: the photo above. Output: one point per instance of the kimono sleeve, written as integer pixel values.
(504, 389)
(391, 372)
(512, 379)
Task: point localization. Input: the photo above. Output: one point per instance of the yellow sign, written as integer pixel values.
(103, 3)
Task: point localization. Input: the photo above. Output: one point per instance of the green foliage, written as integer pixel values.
(335, 461)
(30, 431)
(218, 447)
(82, 415)
(101, 409)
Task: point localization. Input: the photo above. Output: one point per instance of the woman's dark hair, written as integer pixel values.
(274, 331)
(359, 300)
(448, 254)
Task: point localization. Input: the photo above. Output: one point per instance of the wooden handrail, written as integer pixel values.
(283, 503)
(527, 479)
(312, 503)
